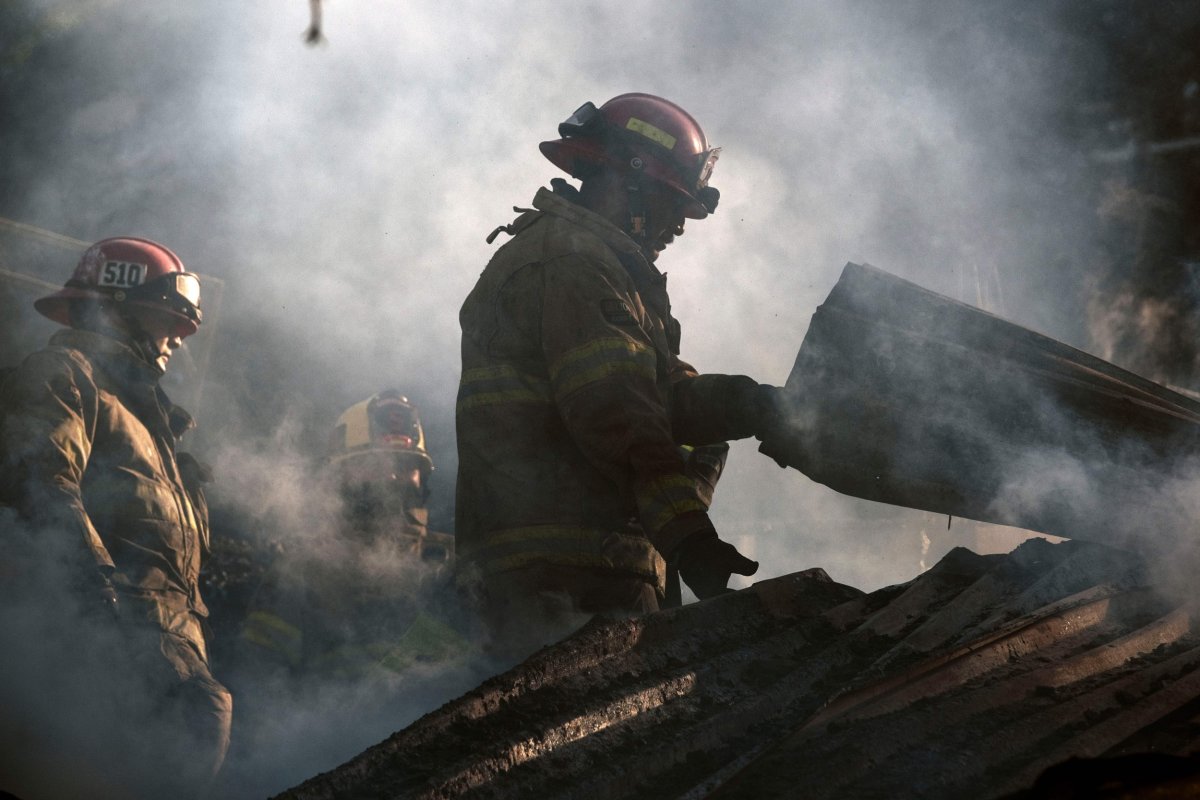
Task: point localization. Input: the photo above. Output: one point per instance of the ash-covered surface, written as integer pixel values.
(971, 680)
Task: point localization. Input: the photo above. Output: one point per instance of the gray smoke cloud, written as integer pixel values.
(343, 193)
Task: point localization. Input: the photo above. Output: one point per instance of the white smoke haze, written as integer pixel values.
(343, 194)
(292, 725)
(344, 191)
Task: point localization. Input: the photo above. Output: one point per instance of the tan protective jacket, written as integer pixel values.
(573, 402)
(87, 439)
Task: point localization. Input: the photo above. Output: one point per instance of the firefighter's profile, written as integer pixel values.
(379, 463)
(105, 528)
(575, 494)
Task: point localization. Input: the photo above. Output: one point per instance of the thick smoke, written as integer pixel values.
(342, 193)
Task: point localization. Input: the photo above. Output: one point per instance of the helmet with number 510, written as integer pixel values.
(129, 272)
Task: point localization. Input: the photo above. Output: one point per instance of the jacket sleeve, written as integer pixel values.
(707, 409)
(47, 422)
(604, 371)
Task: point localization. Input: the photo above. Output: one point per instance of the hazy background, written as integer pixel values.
(1001, 153)
(343, 192)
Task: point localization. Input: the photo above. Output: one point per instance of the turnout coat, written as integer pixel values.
(573, 405)
(88, 440)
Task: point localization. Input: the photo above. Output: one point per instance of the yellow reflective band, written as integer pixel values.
(489, 373)
(500, 398)
(612, 344)
(600, 372)
(599, 359)
(650, 132)
(567, 545)
(499, 385)
(273, 634)
(663, 499)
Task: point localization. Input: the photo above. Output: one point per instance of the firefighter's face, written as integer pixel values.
(664, 219)
(162, 330)
(380, 491)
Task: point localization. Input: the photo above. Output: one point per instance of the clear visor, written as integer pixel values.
(706, 166)
(178, 291)
(186, 285)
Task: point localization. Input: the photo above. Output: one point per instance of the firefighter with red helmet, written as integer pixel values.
(573, 490)
(108, 526)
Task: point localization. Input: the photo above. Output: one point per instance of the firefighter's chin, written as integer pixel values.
(657, 246)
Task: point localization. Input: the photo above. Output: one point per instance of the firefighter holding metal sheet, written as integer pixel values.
(573, 402)
(106, 678)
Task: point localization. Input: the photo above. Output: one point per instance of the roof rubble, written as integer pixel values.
(970, 680)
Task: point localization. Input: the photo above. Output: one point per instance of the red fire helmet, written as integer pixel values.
(134, 272)
(640, 131)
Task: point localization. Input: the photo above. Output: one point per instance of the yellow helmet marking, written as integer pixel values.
(650, 132)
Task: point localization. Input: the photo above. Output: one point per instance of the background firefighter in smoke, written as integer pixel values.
(360, 603)
(379, 462)
(573, 400)
(104, 664)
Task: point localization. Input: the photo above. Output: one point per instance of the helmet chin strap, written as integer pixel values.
(636, 196)
(124, 326)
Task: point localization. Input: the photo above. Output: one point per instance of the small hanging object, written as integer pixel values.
(948, 518)
(312, 36)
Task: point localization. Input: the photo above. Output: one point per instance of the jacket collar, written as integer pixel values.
(116, 354)
(630, 252)
(551, 203)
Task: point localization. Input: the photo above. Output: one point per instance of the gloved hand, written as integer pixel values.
(705, 564)
(775, 428)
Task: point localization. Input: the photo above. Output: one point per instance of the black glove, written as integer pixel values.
(776, 428)
(770, 415)
(705, 564)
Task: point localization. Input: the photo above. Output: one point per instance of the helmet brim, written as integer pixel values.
(57, 307)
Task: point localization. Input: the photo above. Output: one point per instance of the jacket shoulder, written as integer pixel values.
(52, 365)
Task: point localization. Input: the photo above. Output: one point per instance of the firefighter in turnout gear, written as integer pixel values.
(573, 490)
(354, 605)
(105, 526)
(382, 469)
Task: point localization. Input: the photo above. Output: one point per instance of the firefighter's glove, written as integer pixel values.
(769, 411)
(774, 428)
(705, 564)
(756, 409)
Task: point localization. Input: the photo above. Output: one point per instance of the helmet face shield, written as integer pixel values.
(395, 423)
(186, 285)
(177, 292)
